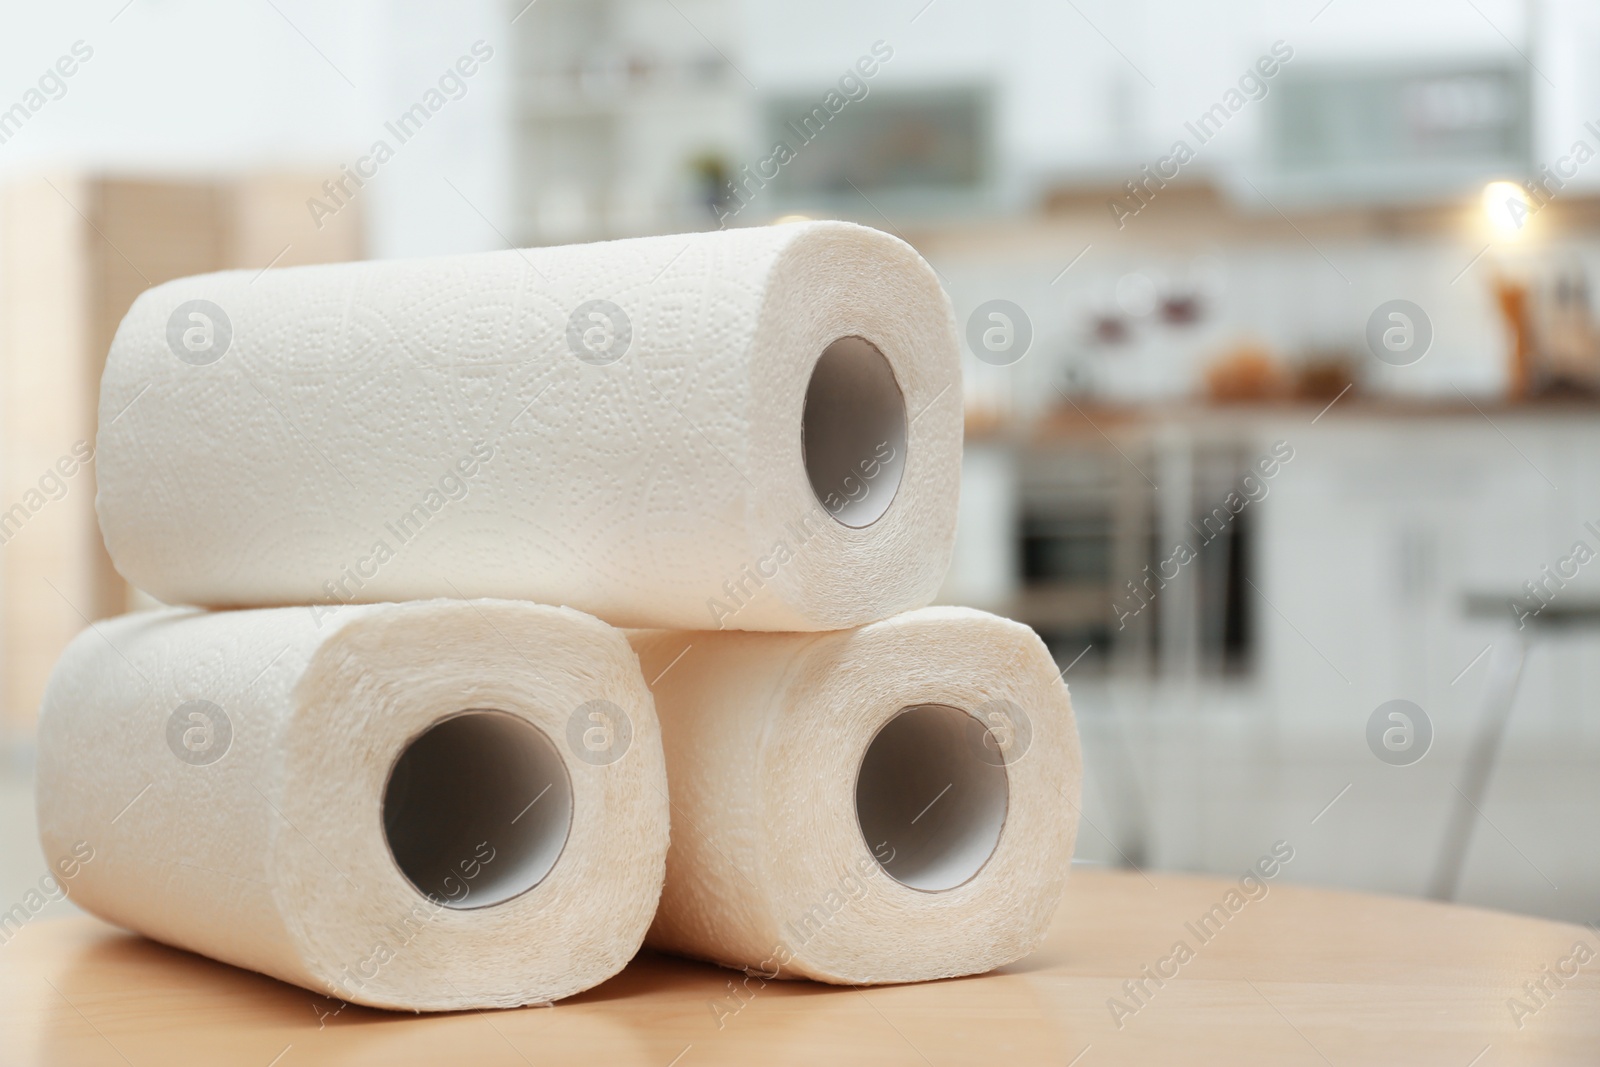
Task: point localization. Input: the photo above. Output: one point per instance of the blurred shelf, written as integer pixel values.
(1088, 419)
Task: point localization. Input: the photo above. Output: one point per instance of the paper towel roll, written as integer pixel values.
(425, 806)
(887, 804)
(753, 429)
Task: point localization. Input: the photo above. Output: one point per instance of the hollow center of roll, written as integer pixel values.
(477, 808)
(853, 432)
(930, 805)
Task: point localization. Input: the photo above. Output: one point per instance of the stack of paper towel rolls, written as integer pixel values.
(405, 777)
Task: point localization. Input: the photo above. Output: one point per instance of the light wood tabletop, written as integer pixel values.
(1298, 976)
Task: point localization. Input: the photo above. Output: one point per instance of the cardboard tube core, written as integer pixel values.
(853, 432)
(477, 808)
(931, 808)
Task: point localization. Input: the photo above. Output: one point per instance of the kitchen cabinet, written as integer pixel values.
(1355, 570)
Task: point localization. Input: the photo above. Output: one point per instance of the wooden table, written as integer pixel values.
(1302, 976)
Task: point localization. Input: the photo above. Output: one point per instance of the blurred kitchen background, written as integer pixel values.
(1375, 501)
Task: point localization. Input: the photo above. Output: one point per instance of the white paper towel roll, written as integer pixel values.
(753, 429)
(888, 804)
(426, 806)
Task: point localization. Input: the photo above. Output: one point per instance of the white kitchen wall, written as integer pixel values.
(179, 87)
(182, 84)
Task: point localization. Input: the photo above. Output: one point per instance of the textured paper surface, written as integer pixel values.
(764, 733)
(271, 855)
(408, 429)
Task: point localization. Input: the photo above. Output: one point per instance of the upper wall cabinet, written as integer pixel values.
(1395, 133)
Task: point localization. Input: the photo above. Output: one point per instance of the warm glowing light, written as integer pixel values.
(1507, 207)
(781, 219)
